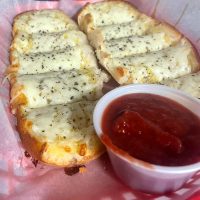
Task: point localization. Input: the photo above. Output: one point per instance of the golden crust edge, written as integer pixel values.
(18, 98)
(12, 68)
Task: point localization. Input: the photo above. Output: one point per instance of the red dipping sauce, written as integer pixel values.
(153, 129)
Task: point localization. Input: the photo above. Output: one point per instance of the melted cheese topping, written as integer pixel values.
(67, 132)
(156, 66)
(140, 50)
(62, 122)
(66, 59)
(54, 66)
(107, 13)
(189, 84)
(110, 32)
(43, 21)
(134, 45)
(61, 87)
(46, 42)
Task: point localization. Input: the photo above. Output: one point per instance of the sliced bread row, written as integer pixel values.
(133, 47)
(55, 82)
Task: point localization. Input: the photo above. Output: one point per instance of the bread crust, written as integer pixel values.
(32, 145)
(14, 66)
(42, 150)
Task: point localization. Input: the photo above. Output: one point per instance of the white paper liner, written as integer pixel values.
(19, 179)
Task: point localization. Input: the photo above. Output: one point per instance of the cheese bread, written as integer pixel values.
(109, 32)
(154, 67)
(106, 13)
(189, 84)
(76, 57)
(147, 51)
(26, 43)
(55, 81)
(61, 135)
(53, 88)
(43, 21)
(128, 46)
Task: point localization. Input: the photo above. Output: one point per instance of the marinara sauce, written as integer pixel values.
(153, 129)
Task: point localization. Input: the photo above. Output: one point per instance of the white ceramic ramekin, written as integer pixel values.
(138, 174)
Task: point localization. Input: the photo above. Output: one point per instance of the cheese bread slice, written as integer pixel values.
(45, 42)
(156, 37)
(106, 13)
(154, 67)
(52, 88)
(61, 135)
(41, 21)
(66, 59)
(133, 45)
(189, 84)
(116, 31)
